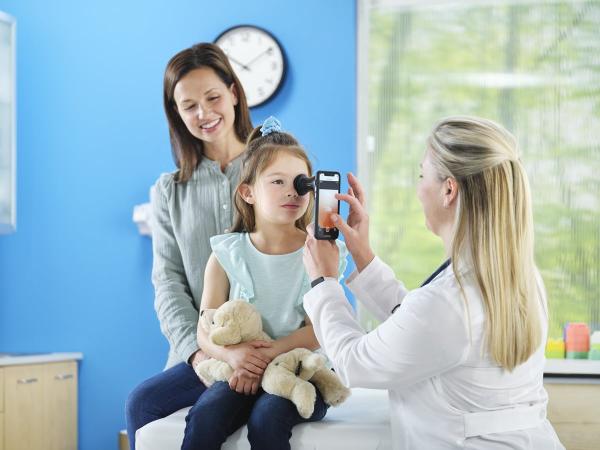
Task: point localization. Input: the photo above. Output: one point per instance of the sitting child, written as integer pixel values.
(260, 262)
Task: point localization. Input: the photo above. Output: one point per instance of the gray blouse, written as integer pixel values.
(186, 215)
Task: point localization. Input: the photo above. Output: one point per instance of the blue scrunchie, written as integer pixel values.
(270, 125)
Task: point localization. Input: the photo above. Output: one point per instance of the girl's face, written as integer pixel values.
(273, 195)
(430, 192)
(206, 105)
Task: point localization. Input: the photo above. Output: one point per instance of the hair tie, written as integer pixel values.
(270, 125)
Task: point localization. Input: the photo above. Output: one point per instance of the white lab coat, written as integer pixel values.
(445, 390)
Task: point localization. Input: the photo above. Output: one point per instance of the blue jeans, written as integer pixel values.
(160, 396)
(220, 411)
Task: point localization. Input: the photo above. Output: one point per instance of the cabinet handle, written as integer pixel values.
(64, 376)
(27, 380)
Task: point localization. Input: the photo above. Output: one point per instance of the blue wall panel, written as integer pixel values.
(92, 138)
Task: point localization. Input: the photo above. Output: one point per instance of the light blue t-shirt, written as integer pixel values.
(274, 284)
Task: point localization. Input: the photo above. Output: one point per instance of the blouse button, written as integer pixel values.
(225, 206)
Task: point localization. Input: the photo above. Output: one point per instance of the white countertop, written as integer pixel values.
(572, 367)
(553, 366)
(17, 359)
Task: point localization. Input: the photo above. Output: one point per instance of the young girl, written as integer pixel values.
(261, 262)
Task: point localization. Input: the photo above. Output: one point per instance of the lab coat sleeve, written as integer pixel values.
(377, 288)
(423, 338)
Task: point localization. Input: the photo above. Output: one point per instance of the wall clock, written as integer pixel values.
(257, 59)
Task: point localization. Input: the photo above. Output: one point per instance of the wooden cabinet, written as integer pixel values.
(40, 406)
(1, 408)
(573, 410)
(60, 400)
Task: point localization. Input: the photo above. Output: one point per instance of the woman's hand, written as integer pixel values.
(321, 257)
(248, 356)
(244, 382)
(356, 230)
(197, 358)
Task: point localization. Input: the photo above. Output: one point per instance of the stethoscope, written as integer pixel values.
(429, 279)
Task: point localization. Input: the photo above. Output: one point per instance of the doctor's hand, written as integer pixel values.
(356, 230)
(321, 258)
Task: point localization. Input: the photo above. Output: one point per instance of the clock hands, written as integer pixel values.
(256, 58)
(243, 66)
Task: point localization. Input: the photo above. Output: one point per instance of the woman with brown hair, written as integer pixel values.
(209, 122)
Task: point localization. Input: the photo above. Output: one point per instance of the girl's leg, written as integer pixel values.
(218, 413)
(272, 419)
(160, 396)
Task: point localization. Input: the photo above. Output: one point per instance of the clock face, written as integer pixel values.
(256, 58)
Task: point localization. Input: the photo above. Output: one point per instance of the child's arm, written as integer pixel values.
(303, 337)
(240, 356)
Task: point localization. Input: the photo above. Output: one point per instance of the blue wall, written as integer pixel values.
(92, 139)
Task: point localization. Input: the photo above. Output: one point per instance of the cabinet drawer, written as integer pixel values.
(23, 417)
(573, 403)
(1, 391)
(578, 436)
(1, 431)
(60, 402)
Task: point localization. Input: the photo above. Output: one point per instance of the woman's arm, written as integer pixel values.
(173, 302)
(426, 337)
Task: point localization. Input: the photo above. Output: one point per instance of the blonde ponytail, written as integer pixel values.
(493, 230)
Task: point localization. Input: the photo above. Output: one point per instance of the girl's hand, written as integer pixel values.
(356, 230)
(247, 356)
(244, 382)
(321, 258)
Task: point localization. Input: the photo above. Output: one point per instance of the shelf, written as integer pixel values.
(572, 367)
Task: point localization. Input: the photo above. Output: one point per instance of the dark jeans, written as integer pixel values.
(220, 411)
(160, 396)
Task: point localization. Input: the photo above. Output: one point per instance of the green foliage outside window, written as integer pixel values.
(534, 67)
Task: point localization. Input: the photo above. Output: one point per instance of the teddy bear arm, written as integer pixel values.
(279, 381)
(212, 370)
(330, 386)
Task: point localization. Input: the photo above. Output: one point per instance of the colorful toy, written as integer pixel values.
(595, 346)
(577, 340)
(555, 349)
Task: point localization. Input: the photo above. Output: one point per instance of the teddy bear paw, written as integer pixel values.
(337, 396)
(304, 396)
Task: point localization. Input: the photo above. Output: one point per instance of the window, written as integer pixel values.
(7, 125)
(532, 66)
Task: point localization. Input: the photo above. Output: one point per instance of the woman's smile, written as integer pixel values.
(210, 127)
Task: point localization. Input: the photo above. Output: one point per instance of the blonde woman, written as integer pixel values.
(463, 355)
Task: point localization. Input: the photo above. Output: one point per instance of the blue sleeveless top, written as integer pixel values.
(274, 284)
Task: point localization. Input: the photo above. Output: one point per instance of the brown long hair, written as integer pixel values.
(188, 150)
(260, 152)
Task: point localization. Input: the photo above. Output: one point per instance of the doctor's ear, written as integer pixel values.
(450, 191)
(245, 192)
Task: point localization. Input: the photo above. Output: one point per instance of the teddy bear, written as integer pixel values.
(292, 375)
(233, 322)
